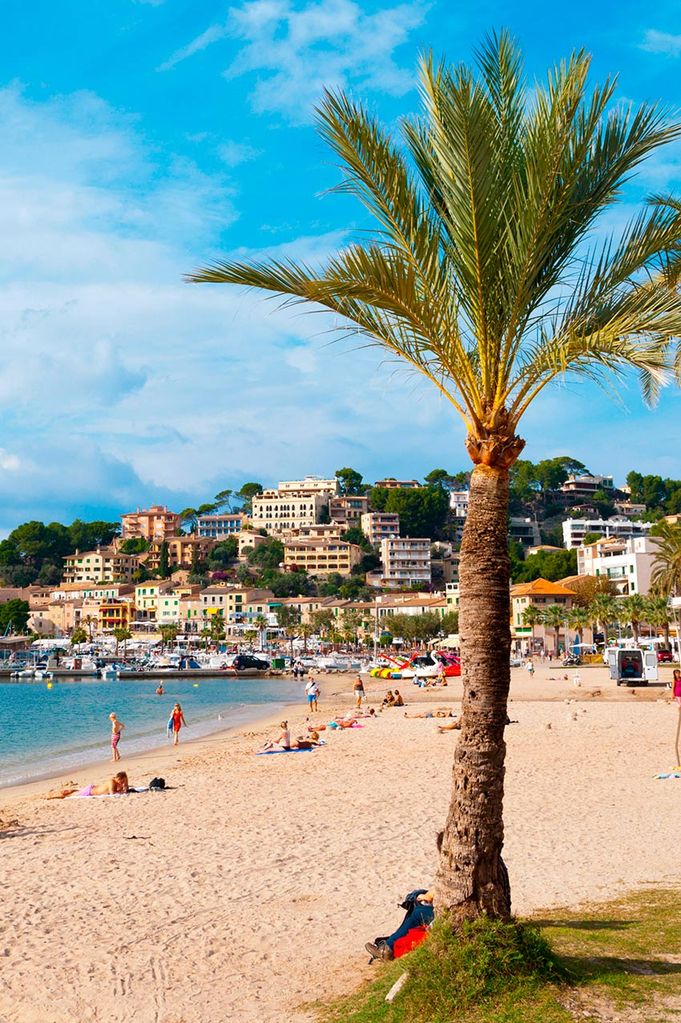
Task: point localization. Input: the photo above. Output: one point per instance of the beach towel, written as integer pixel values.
(269, 752)
(110, 795)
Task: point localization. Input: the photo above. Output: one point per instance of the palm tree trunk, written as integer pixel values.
(472, 877)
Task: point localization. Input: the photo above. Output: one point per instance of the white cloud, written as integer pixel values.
(234, 153)
(298, 50)
(661, 42)
(9, 462)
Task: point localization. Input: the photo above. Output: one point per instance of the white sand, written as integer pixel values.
(251, 887)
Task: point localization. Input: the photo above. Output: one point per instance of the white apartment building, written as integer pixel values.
(627, 562)
(309, 485)
(279, 512)
(376, 526)
(406, 560)
(218, 527)
(574, 530)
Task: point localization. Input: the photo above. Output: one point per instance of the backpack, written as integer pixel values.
(157, 784)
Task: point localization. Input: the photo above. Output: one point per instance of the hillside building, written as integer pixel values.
(155, 523)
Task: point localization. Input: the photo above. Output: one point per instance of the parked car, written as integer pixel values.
(664, 657)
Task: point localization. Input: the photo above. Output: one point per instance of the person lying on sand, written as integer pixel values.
(441, 712)
(450, 726)
(118, 785)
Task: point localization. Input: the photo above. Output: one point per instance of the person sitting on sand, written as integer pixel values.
(118, 785)
(398, 701)
(388, 699)
(284, 740)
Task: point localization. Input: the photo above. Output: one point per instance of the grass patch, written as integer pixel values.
(619, 960)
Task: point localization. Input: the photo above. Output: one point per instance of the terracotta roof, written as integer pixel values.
(540, 588)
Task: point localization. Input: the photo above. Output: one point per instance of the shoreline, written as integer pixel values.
(102, 767)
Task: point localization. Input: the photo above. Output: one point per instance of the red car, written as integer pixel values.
(664, 657)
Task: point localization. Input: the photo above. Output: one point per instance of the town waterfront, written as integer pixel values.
(48, 728)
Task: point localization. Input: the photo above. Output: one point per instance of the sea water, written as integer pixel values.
(45, 729)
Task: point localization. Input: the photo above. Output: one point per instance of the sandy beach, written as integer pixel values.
(247, 890)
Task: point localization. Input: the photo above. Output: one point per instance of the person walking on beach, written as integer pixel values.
(177, 718)
(359, 691)
(313, 694)
(310, 687)
(116, 729)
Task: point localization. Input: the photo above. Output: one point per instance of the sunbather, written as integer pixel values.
(118, 785)
(441, 712)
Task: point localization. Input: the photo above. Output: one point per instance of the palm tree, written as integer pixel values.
(603, 610)
(122, 635)
(532, 615)
(306, 629)
(659, 615)
(479, 276)
(90, 622)
(78, 636)
(261, 623)
(168, 634)
(553, 617)
(579, 619)
(633, 611)
(666, 574)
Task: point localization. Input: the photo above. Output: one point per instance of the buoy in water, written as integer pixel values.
(49, 685)
(196, 685)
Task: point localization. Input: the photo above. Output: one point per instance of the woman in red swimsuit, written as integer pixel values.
(178, 721)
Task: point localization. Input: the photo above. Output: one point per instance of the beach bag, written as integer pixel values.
(157, 784)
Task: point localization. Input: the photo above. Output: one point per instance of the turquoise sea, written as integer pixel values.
(44, 731)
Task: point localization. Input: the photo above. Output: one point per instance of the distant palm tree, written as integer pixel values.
(532, 615)
(659, 615)
(480, 277)
(633, 610)
(603, 610)
(261, 623)
(579, 619)
(666, 574)
(553, 617)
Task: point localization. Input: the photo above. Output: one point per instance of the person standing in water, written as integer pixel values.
(177, 717)
(116, 729)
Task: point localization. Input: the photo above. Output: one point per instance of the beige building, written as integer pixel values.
(406, 560)
(106, 564)
(376, 526)
(91, 591)
(540, 593)
(155, 523)
(321, 556)
(181, 552)
(348, 510)
(279, 512)
(309, 485)
(390, 483)
(147, 597)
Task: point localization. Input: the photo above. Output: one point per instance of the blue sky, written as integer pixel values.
(139, 139)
